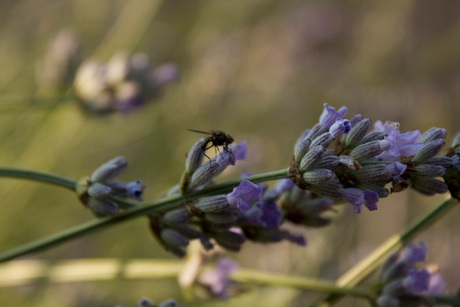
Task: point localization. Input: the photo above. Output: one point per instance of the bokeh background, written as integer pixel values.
(259, 70)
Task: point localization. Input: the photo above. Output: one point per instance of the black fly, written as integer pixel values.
(216, 138)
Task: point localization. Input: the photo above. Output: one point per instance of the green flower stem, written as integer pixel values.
(38, 176)
(135, 210)
(369, 264)
(270, 279)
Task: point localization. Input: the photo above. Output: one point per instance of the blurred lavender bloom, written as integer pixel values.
(218, 280)
(402, 144)
(241, 151)
(405, 283)
(264, 214)
(358, 198)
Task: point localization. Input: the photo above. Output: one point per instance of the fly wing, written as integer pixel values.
(198, 131)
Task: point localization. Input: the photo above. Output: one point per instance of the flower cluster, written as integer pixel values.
(123, 84)
(403, 283)
(362, 162)
(145, 302)
(248, 212)
(95, 191)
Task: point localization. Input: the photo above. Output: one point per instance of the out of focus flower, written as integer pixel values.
(145, 302)
(95, 190)
(123, 84)
(60, 63)
(404, 283)
(217, 280)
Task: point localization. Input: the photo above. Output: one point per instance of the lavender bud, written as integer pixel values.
(356, 119)
(368, 150)
(324, 140)
(456, 162)
(328, 189)
(317, 130)
(329, 162)
(340, 127)
(318, 176)
(394, 287)
(440, 161)
(194, 157)
(302, 138)
(316, 206)
(301, 149)
(428, 186)
(313, 156)
(379, 172)
(429, 170)
(226, 216)
(428, 150)
(177, 216)
(387, 301)
(212, 168)
(109, 170)
(99, 190)
(356, 134)
(229, 240)
(173, 238)
(102, 206)
(145, 302)
(433, 134)
(373, 136)
(213, 203)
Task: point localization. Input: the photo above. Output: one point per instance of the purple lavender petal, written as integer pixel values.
(396, 169)
(355, 197)
(328, 117)
(298, 239)
(413, 254)
(283, 185)
(370, 200)
(243, 195)
(218, 279)
(437, 284)
(271, 215)
(417, 281)
(405, 144)
(241, 151)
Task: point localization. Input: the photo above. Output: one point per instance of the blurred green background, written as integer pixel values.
(259, 70)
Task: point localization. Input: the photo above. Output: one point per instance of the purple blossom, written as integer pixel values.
(402, 144)
(295, 238)
(330, 116)
(359, 197)
(413, 254)
(437, 285)
(218, 279)
(283, 185)
(264, 214)
(417, 281)
(243, 195)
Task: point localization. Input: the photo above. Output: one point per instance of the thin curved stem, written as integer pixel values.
(369, 264)
(38, 176)
(136, 210)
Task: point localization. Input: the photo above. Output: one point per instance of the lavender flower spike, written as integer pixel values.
(243, 195)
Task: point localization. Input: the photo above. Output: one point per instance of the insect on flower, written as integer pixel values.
(215, 139)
